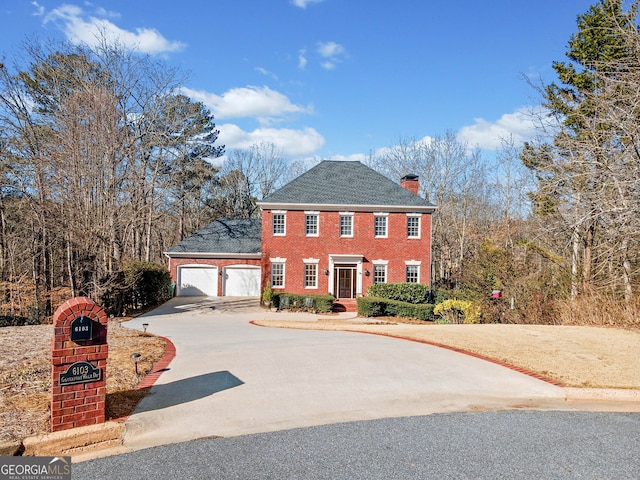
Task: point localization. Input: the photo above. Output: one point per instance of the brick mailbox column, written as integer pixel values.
(79, 361)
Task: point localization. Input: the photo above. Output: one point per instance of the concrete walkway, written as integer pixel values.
(232, 378)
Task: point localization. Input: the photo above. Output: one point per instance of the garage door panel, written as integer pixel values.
(198, 281)
(242, 282)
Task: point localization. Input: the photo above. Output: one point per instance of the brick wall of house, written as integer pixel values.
(296, 246)
(174, 263)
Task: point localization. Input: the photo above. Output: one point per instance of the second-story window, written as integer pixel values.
(413, 226)
(279, 223)
(346, 225)
(380, 225)
(311, 224)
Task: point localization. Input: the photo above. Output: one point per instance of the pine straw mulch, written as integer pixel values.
(25, 375)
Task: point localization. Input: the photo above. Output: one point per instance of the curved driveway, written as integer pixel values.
(232, 378)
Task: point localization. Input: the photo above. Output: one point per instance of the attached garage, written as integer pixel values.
(197, 281)
(221, 259)
(242, 281)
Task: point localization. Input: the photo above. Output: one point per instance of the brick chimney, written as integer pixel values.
(410, 182)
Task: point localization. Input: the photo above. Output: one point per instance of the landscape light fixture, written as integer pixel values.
(145, 325)
(135, 357)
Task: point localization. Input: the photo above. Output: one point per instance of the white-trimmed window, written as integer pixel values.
(310, 275)
(277, 272)
(279, 223)
(380, 225)
(413, 225)
(311, 220)
(346, 224)
(379, 273)
(412, 271)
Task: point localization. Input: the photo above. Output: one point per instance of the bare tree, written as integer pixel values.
(587, 184)
(248, 176)
(454, 179)
(96, 143)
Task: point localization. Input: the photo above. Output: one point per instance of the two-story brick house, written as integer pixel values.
(338, 228)
(341, 227)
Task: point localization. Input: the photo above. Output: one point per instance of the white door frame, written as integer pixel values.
(351, 259)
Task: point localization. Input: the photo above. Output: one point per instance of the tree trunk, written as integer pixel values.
(72, 282)
(587, 260)
(575, 255)
(626, 275)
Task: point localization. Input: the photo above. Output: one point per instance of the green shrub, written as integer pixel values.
(299, 302)
(14, 321)
(417, 293)
(148, 284)
(384, 307)
(371, 306)
(138, 286)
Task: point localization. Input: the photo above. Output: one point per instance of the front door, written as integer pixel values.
(346, 281)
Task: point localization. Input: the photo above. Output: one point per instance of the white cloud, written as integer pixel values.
(330, 49)
(519, 125)
(304, 3)
(291, 142)
(82, 28)
(247, 101)
(302, 59)
(39, 9)
(266, 72)
(354, 157)
(332, 52)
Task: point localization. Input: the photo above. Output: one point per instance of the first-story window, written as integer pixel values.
(277, 275)
(379, 274)
(413, 273)
(310, 275)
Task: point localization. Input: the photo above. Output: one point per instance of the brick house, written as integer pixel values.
(338, 228)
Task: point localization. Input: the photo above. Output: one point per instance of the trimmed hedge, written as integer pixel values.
(149, 283)
(384, 307)
(297, 301)
(417, 293)
(138, 286)
(16, 321)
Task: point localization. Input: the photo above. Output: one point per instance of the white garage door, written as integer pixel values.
(194, 281)
(242, 281)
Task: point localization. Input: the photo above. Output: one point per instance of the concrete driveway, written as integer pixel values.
(232, 378)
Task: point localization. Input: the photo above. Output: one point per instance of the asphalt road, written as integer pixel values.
(483, 445)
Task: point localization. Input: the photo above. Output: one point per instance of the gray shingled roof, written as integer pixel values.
(344, 183)
(225, 235)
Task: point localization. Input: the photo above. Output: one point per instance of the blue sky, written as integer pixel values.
(334, 79)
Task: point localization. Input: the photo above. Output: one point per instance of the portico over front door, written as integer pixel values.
(345, 281)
